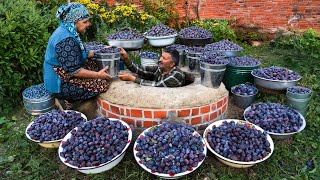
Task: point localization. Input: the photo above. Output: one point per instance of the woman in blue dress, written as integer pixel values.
(69, 72)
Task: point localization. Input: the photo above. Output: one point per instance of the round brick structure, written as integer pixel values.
(144, 106)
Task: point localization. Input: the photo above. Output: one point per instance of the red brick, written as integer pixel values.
(225, 100)
(205, 109)
(220, 103)
(195, 111)
(224, 108)
(183, 112)
(130, 121)
(99, 102)
(136, 113)
(213, 115)
(206, 117)
(147, 124)
(105, 105)
(115, 109)
(213, 107)
(122, 111)
(196, 120)
(159, 114)
(128, 112)
(103, 112)
(111, 115)
(147, 113)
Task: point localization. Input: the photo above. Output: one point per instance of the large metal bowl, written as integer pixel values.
(279, 136)
(273, 84)
(161, 40)
(195, 41)
(230, 53)
(128, 44)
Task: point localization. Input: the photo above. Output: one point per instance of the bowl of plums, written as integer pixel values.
(96, 146)
(170, 150)
(280, 121)
(238, 143)
(161, 35)
(228, 48)
(243, 95)
(275, 78)
(49, 128)
(127, 38)
(194, 36)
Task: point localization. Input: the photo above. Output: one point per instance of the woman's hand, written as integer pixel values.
(102, 73)
(125, 76)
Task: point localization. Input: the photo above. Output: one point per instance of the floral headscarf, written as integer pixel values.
(71, 13)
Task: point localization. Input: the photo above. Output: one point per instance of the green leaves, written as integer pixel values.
(24, 35)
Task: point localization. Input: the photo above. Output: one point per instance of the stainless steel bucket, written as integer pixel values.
(212, 74)
(38, 106)
(181, 58)
(193, 63)
(108, 59)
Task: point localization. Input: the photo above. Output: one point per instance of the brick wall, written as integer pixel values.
(270, 15)
(198, 117)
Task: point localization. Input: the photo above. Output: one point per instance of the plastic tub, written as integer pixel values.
(238, 75)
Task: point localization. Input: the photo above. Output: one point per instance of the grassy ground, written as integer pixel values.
(295, 158)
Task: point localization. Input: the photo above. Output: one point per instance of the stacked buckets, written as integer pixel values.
(193, 59)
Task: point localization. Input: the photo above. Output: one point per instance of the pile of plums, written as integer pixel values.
(95, 142)
(274, 117)
(54, 125)
(170, 148)
(238, 141)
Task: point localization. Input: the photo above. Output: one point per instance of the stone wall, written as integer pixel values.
(269, 15)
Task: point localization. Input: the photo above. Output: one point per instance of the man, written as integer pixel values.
(166, 74)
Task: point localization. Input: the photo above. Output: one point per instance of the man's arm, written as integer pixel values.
(142, 72)
(176, 79)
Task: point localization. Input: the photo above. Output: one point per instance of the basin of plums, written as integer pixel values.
(161, 35)
(126, 38)
(228, 48)
(280, 121)
(170, 150)
(49, 128)
(275, 78)
(194, 36)
(238, 143)
(95, 146)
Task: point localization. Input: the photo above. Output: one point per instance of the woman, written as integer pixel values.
(68, 73)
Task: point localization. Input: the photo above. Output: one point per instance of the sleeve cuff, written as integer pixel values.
(74, 72)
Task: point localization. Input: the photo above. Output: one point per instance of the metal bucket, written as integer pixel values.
(243, 101)
(108, 59)
(148, 62)
(193, 63)
(38, 106)
(212, 74)
(299, 102)
(181, 58)
(238, 75)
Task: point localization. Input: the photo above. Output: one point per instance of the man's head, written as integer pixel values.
(169, 58)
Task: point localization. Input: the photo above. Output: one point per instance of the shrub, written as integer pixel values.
(24, 35)
(305, 44)
(220, 29)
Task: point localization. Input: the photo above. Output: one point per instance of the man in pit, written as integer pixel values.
(166, 74)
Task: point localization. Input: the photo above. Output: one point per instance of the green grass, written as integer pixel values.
(23, 159)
